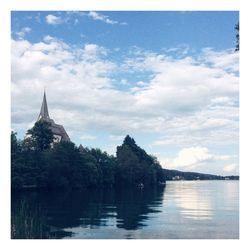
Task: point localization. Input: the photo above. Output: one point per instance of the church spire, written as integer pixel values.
(44, 113)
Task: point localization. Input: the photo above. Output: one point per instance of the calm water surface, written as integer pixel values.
(181, 210)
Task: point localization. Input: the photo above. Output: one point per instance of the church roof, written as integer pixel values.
(59, 130)
(44, 113)
(55, 128)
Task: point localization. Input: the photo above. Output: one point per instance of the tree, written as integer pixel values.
(135, 166)
(35, 164)
(41, 136)
(129, 141)
(106, 167)
(28, 157)
(237, 28)
(15, 145)
(35, 150)
(17, 178)
(64, 166)
(128, 168)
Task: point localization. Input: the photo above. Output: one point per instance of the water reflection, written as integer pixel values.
(55, 215)
(183, 210)
(134, 205)
(194, 202)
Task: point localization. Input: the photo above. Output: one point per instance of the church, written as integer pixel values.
(58, 131)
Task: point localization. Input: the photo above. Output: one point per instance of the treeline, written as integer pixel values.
(35, 163)
(180, 175)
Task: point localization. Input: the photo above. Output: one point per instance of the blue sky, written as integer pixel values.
(167, 78)
(153, 30)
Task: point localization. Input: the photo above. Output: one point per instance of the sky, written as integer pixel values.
(169, 79)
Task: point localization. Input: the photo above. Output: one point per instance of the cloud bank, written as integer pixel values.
(183, 96)
(190, 101)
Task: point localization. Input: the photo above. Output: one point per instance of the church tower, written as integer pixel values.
(44, 113)
(58, 131)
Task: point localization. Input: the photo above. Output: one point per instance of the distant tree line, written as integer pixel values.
(38, 163)
(171, 174)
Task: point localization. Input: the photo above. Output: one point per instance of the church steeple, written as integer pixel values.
(44, 113)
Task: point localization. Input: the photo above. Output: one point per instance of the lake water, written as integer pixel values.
(180, 210)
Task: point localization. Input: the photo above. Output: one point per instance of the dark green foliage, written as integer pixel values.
(15, 145)
(28, 158)
(135, 166)
(41, 136)
(89, 168)
(105, 166)
(17, 163)
(35, 164)
(237, 29)
(64, 165)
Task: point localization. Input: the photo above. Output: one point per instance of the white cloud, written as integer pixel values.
(21, 34)
(97, 16)
(26, 29)
(75, 17)
(92, 51)
(193, 102)
(211, 125)
(226, 60)
(48, 39)
(64, 72)
(189, 157)
(194, 158)
(54, 20)
(230, 168)
(185, 102)
(182, 85)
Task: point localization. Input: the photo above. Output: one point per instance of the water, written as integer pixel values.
(181, 210)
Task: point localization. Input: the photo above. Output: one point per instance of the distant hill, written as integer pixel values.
(179, 175)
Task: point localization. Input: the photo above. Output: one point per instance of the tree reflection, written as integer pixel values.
(134, 206)
(48, 214)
